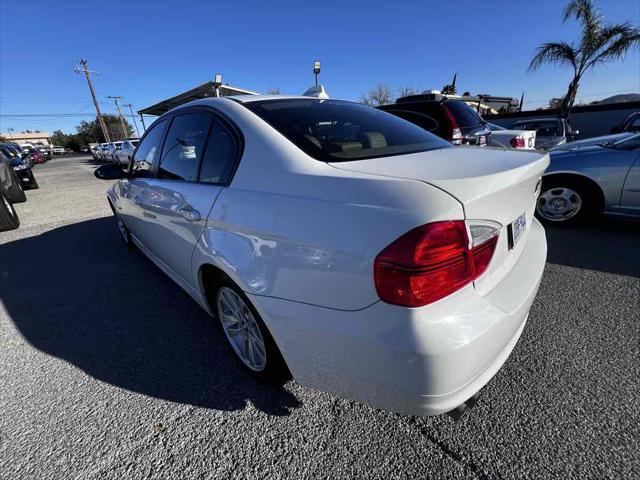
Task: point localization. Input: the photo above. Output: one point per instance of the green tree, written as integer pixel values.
(556, 102)
(90, 132)
(598, 44)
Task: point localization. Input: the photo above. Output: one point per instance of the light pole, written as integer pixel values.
(316, 69)
(217, 83)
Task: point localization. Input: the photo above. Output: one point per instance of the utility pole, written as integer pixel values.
(125, 132)
(83, 68)
(135, 124)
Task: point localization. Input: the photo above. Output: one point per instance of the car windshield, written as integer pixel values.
(548, 128)
(334, 131)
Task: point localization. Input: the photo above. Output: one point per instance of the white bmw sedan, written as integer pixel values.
(340, 244)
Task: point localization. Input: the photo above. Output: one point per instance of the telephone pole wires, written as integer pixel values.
(84, 68)
(135, 124)
(125, 132)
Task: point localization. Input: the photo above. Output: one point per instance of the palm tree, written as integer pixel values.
(599, 44)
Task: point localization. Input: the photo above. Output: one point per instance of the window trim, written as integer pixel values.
(144, 136)
(217, 117)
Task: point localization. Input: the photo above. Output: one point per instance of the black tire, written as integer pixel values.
(275, 371)
(125, 234)
(16, 194)
(8, 216)
(582, 202)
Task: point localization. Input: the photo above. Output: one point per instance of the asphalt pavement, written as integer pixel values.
(109, 370)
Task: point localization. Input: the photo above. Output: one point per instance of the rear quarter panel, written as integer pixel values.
(313, 237)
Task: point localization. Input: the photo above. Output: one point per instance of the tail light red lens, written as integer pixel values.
(430, 263)
(517, 142)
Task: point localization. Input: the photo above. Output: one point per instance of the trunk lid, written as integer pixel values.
(499, 185)
(491, 184)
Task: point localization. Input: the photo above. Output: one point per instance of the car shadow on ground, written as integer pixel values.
(608, 245)
(78, 294)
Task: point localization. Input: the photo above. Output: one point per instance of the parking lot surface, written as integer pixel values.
(109, 370)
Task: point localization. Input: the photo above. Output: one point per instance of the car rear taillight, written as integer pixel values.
(455, 135)
(433, 261)
(517, 142)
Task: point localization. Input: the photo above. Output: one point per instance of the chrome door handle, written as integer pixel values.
(189, 214)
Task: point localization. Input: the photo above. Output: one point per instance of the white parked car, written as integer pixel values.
(124, 154)
(351, 248)
(57, 150)
(521, 139)
(103, 152)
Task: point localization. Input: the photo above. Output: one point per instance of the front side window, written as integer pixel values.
(220, 156)
(183, 147)
(143, 159)
(334, 131)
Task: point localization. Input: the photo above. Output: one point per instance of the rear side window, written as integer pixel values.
(220, 155)
(420, 119)
(333, 131)
(465, 115)
(184, 146)
(542, 128)
(143, 159)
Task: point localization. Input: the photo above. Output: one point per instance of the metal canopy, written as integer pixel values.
(206, 90)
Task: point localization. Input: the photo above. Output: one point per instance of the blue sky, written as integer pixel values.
(149, 50)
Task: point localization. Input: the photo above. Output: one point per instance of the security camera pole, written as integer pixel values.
(134, 118)
(316, 70)
(125, 132)
(83, 68)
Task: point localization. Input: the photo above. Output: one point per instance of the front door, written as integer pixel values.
(191, 173)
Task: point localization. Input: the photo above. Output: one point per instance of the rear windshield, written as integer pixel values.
(333, 131)
(545, 128)
(465, 115)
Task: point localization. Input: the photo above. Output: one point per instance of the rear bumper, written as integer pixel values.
(422, 361)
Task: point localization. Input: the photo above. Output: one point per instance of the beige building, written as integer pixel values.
(27, 137)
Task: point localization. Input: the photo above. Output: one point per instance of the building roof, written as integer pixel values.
(206, 90)
(24, 135)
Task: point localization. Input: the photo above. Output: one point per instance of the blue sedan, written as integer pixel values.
(584, 180)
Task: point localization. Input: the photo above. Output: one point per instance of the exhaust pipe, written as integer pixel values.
(457, 412)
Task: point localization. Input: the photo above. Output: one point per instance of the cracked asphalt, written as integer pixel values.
(109, 370)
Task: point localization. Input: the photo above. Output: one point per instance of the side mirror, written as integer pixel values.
(109, 171)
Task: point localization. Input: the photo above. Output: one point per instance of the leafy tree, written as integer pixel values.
(90, 132)
(380, 95)
(556, 102)
(2, 139)
(598, 44)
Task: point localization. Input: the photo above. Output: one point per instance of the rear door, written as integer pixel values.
(198, 156)
(630, 197)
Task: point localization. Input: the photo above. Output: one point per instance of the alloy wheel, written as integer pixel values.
(241, 329)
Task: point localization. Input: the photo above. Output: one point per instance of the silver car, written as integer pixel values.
(597, 177)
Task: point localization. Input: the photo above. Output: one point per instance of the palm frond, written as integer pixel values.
(559, 53)
(614, 41)
(585, 12)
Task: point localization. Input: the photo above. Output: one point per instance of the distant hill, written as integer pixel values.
(626, 97)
